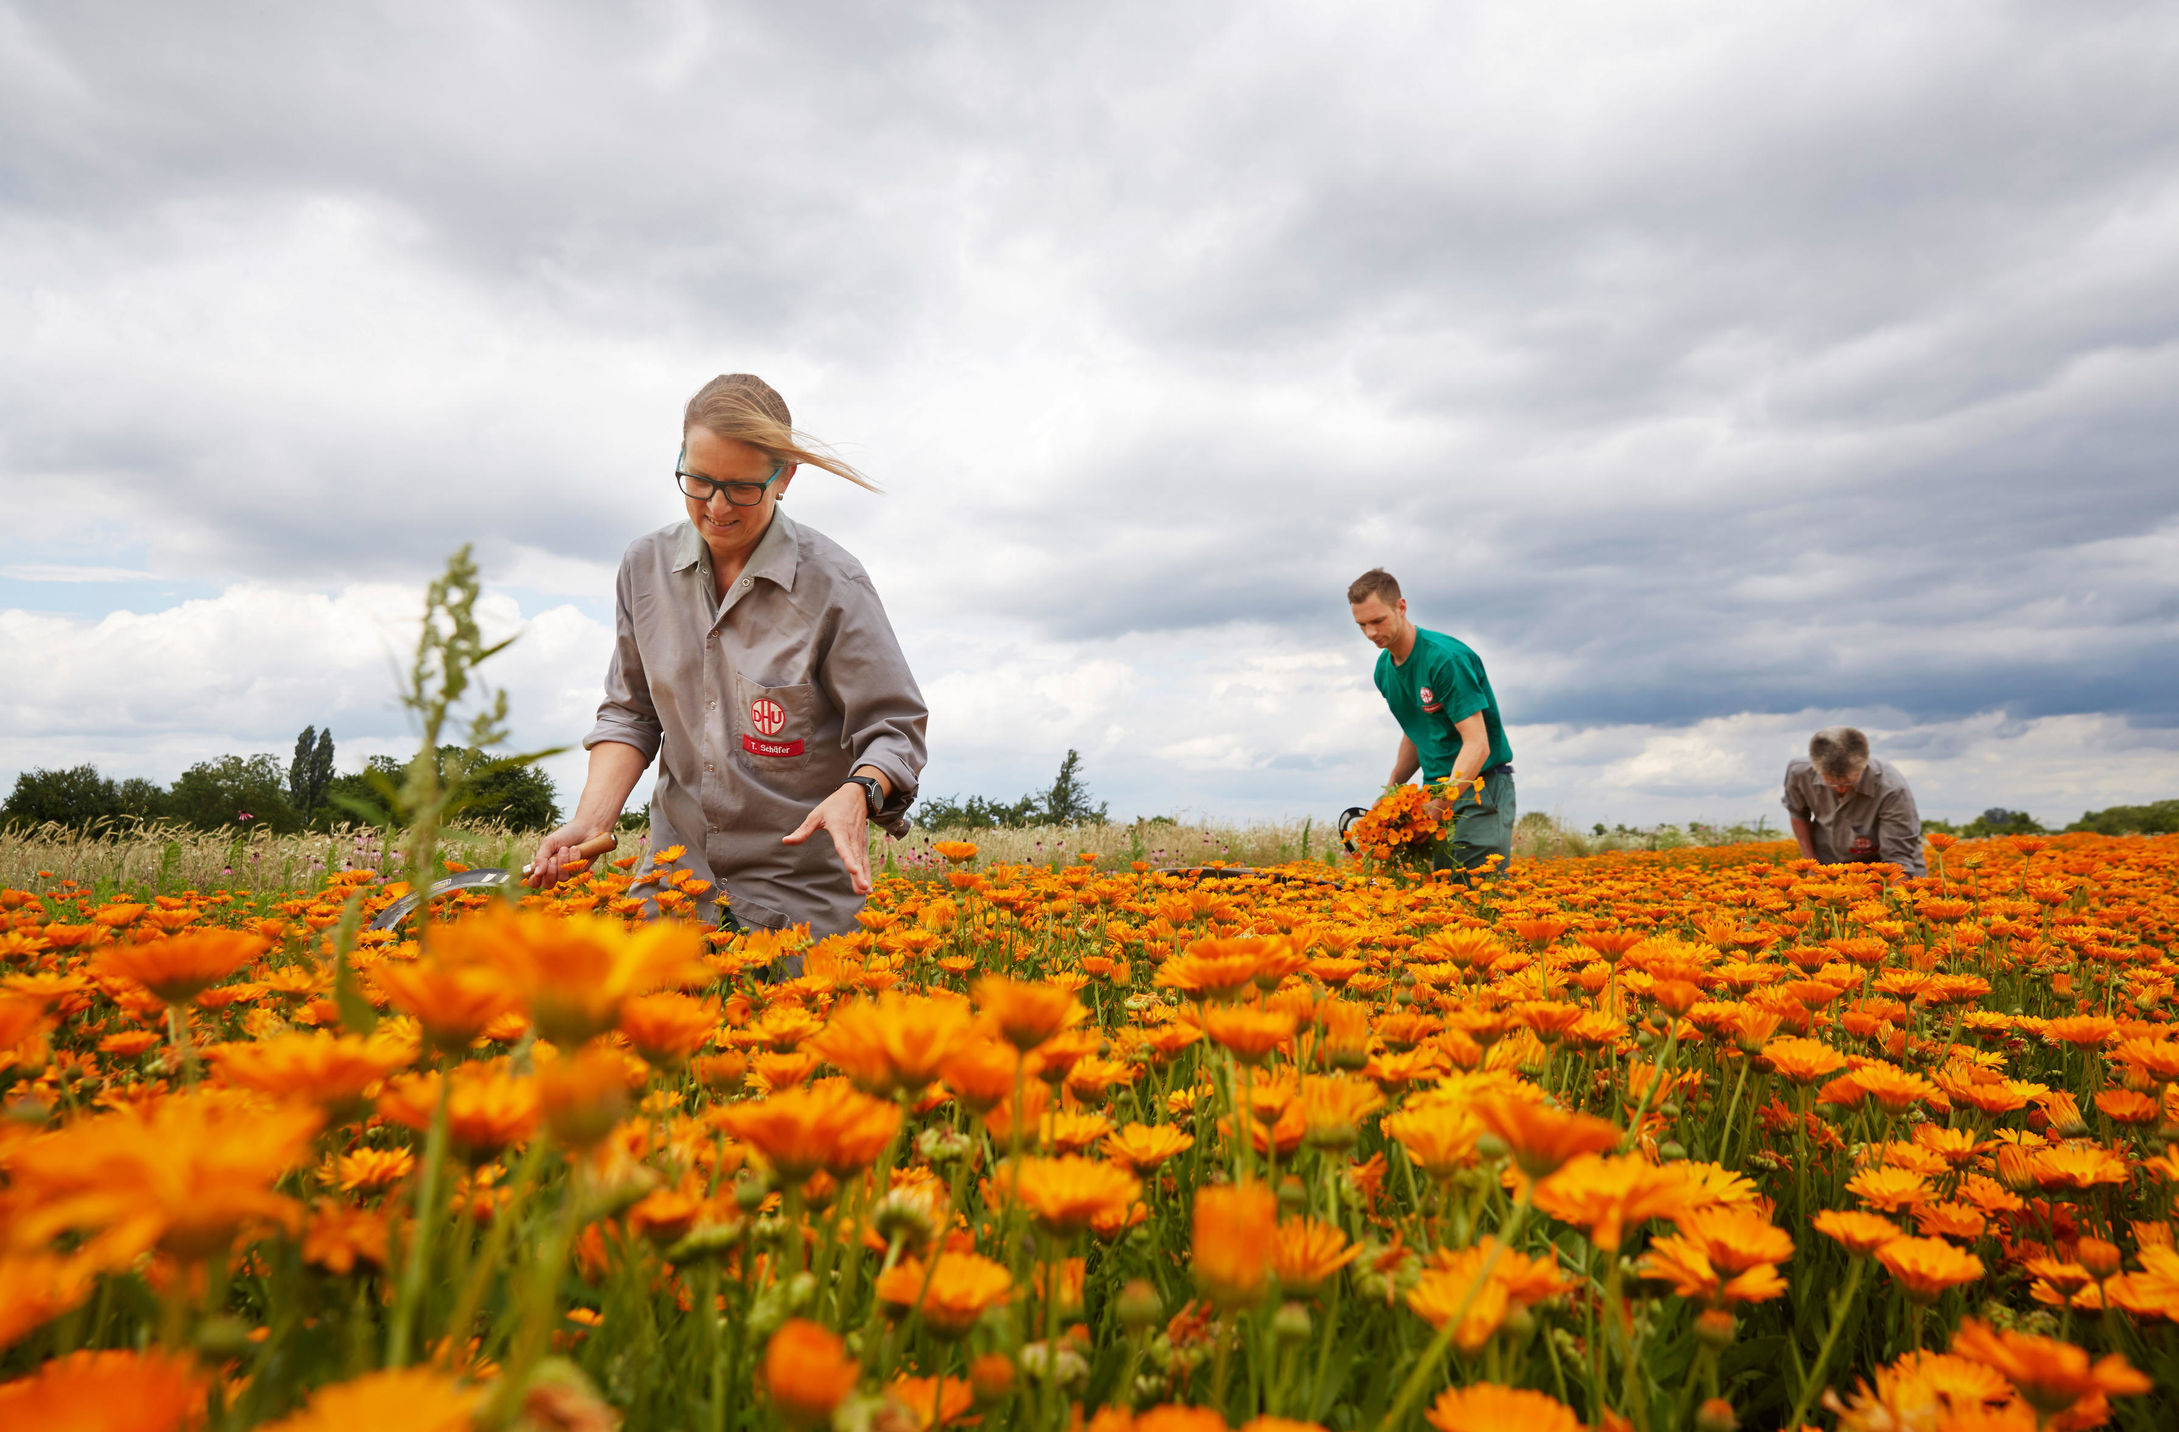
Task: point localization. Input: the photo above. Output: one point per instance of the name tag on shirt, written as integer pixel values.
(758, 746)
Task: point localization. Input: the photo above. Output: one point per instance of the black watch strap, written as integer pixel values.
(874, 792)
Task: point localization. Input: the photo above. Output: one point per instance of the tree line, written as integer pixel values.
(256, 793)
(1065, 802)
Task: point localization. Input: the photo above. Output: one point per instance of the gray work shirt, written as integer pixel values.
(757, 708)
(1877, 821)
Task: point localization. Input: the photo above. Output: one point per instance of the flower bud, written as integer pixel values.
(2101, 1259)
(1716, 1415)
(1714, 1329)
(1140, 1307)
(1291, 1323)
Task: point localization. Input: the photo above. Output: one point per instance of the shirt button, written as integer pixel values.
(711, 705)
(708, 766)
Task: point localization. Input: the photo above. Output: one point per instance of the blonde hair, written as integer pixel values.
(744, 407)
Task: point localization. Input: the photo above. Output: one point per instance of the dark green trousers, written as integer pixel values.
(1482, 827)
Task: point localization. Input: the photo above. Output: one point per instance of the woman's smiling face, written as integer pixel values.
(730, 532)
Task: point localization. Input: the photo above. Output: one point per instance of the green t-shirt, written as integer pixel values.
(1441, 682)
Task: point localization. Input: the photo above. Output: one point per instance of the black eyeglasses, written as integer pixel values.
(740, 494)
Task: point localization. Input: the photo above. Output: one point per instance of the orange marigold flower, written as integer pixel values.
(1488, 1407)
(188, 1174)
(931, 1401)
(369, 1170)
(2051, 1376)
(666, 1028)
(828, 1125)
(1608, 1194)
(1860, 1234)
(1306, 1252)
(1803, 1061)
(1251, 1035)
(178, 968)
(37, 1287)
(1027, 1013)
(1891, 1189)
(1543, 1139)
(417, 1398)
(1927, 1267)
(1143, 1147)
(2156, 1058)
(982, 1072)
(949, 1295)
(453, 1005)
(328, 1069)
(583, 1097)
(1068, 1194)
(1234, 1226)
(1691, 1266)
(1439, 1138)
(106, 1392)
(487, 1109)
(573, 973)
(336, 1237)
(1456, 1280)
(911, 1037)
(2077, 1166)
(1333, 1108)
(1214, 969)
(807, 1372)
(2124, 1106)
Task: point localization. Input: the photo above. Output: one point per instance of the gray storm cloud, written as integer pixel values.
(1693, 362)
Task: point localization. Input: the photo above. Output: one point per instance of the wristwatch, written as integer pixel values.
(874, 792)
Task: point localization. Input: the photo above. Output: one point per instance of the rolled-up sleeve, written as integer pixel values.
(882, 715)
(1899, 832)
(626, 714)
(1796, 799)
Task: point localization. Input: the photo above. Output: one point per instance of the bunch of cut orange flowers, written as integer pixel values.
(1710, 1138)
(1410, 823)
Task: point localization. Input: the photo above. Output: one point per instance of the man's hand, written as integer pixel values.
(556, 854)
(845, 815)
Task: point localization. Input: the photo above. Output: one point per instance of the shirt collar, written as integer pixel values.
(778, 550)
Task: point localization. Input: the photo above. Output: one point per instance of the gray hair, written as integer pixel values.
(1838, 752)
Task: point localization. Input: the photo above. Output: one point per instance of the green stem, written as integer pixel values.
(1840, 1307)
(426, 1219)
(1434, 1354)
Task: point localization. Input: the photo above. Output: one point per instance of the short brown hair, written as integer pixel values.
(1838, 751)
(1376, 582)
(744, 407)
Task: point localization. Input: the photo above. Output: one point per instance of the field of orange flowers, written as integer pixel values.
(1704, 1140)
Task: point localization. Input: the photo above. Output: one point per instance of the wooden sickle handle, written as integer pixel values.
(590, 849)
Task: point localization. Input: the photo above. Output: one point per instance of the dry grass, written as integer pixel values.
(160, 859)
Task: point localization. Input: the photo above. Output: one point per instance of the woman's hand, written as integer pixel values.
(845, 815)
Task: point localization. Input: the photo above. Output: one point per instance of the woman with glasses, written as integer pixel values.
(753, 660)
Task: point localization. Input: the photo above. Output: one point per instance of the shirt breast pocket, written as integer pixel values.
(773, 725)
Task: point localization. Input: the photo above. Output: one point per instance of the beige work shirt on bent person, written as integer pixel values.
(757, 707)
(1877, 821)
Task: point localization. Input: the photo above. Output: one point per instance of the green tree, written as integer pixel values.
(144, 800)
(310, 774)
(1068, 801)
(74, 797)
(1999, 821)
(2155, 818)
(239, 792)
(492, 789)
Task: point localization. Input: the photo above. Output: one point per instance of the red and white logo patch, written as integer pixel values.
(1430, 701)
(769, 718)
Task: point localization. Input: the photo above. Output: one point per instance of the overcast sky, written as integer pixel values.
(1717, 371)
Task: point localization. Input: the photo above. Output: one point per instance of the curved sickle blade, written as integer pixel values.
(391, 917)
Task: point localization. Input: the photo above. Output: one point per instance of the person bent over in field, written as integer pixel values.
(1849, 807)
(1448, 717)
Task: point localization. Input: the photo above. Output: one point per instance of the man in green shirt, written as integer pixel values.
(1449, 719)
